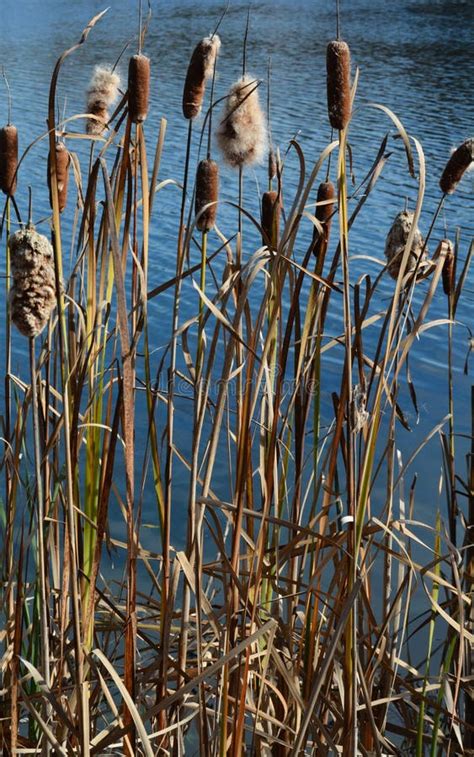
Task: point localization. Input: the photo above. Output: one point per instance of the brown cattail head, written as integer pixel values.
(8, 159)
(242, 133)
(207, 191)
(62, 175)
(101, 94)
(272, 164)
(138, 88)
(324, 212)
(271, 208)
(33, 290)
(457, 166)
(200, 69)
(338, 66)
(449, 268)
(396, 242)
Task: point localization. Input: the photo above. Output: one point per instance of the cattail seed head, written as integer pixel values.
(448, 272)
(272, 164)
(138, 88)
(324, 213)
(459, 162)
(101, 94)
(338, 67)
(242, 133)
(62, 175)
(8, 159)
(200, 69)
(207, 191)
(33, 291)
(271, 209)
(395, 245)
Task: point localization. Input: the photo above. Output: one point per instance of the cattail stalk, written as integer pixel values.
(138, 88)
(8, 159)
(63, 160)
(338, 66)
(40, 518)
(457, 165)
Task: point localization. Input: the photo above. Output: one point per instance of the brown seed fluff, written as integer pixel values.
(448, 266)
(207, 190)
(338, 66)
(457, 166)
(396, 241)
(8, 159)
(201, 68)
(62, 174)
(138, 88)
(271, 208)
(33, 290)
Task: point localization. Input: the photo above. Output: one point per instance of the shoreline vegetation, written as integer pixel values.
(309, 609)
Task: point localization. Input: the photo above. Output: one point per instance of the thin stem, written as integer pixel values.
(40, 516)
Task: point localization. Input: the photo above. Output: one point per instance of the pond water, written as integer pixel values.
(413, 56)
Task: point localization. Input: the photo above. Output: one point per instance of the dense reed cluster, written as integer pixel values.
(212, 539)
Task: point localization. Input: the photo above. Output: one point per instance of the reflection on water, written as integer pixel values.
(414, 57)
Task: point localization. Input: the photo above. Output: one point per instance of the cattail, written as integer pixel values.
(207, 191)
(242, 133)
(272, 164)
(457, 166)
(101, 94)
(271, 208)
(200, 69)
(396, 242)
(338, 66)
(448, 266)
(138, 88)
(8, 159)
(33, 291)
(324, 213)
(62, 175)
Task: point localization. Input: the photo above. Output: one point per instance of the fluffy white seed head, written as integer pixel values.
(102, 92)
(242, 132)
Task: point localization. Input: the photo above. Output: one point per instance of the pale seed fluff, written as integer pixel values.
(242, 132)
(211, 47)
(102, 92)
(33, 290)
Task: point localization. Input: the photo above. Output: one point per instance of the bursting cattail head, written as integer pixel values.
(271, 208)
(338, 67)
(101, 94)
(62, 175)
(200, 69)
(8, 159)
(459, 162)
(396, 242)
(138, 88)
(207, 191)
(33, 290)
(242, 133)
